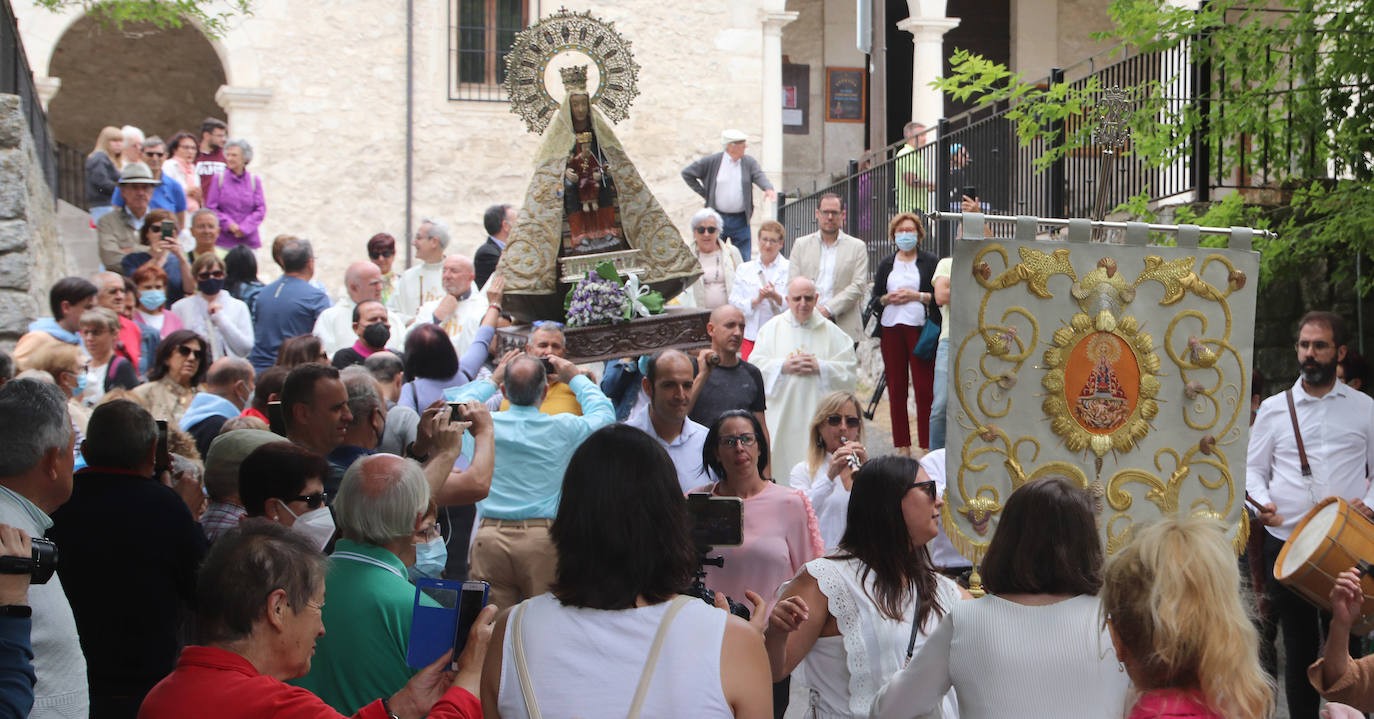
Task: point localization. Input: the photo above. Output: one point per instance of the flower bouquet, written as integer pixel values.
(604, 297)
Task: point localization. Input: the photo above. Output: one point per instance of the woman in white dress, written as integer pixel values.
(1035, 645)
(848, 618)
(836, 435)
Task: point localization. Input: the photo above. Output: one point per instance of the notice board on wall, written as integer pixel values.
(796, 98)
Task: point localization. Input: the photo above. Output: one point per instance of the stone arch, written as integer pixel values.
(159, 80)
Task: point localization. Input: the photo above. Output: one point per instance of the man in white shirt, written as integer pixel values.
(759, 285)
(837, 263)
(669, 386)
(422, 283)
(461, 308)
(1336, 424)
(334, 326)
(725, 180)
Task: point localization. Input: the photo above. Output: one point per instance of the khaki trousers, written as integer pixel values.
(514, 556)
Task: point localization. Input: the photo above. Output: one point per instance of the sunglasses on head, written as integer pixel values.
(185, 351)
(541, 324)
(211, 275)
(314, 501)
(383, 253)
(927, 486)
(834, 420)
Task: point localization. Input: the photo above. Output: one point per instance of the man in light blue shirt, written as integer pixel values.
(512, 551)
(669, 386)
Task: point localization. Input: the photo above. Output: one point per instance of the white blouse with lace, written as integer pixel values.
(844, 673)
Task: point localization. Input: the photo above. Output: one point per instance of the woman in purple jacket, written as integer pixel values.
(236, 197)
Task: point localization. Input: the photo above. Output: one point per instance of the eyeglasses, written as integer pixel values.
(185, 351)
(211, 275)
(541, 324)
(1317, 346)
(382, 254)
(154, 154)
(927, 486)
(769, 239)
(312, 501)
(738, 440)
(834, 420)
(830, 213)
(705, 230)
(429, 534)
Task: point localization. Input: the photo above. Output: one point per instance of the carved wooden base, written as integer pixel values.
(677, 328)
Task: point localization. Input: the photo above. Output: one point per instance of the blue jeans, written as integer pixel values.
(937, 407)
(735, 225)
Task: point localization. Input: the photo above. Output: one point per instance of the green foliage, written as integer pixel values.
(1283, 112)
(211, 16)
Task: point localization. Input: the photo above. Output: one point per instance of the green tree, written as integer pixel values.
(1284, 110)
(211, 16)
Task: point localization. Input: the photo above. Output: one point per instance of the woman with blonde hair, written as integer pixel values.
(102, 171)
(835, 451)
(1172, 602)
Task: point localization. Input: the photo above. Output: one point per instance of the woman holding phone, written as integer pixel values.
(159, 248)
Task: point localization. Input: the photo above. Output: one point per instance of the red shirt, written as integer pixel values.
(130, 340)
(212, 683)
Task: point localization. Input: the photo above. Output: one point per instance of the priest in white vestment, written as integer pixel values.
(459, 312)
(334, 327)
(803, 357)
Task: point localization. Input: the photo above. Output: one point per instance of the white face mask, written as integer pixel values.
(317, 524)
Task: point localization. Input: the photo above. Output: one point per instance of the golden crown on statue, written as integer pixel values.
(574, 78)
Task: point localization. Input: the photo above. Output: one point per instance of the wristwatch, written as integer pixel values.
(22, 611)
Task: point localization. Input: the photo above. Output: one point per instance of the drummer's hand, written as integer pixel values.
(1359, 506)
(1269, 516)
(1346, 598)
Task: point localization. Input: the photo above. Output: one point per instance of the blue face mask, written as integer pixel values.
(152, 300)
(430, 558)
(80, 385)
(906, 241)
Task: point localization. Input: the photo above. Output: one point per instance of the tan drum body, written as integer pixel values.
(1329, 540)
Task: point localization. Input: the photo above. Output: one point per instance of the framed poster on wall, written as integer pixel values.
(846, 94)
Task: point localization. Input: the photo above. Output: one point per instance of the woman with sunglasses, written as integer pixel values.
(835, 451)
(381, 249)
(223, 320)
(718, 262)
(1038, 630)
(850, 617)
(284, 482)
(178, 368)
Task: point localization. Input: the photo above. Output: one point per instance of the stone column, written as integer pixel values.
(47, 88)
(243, 105)
(772, 102)
(927, 25)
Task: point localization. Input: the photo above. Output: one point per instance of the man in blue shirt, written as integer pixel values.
(168, 194)
(287, 307)
(512, 550)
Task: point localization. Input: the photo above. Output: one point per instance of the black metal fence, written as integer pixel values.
(17, 79)
(71, 175)
(977, 154)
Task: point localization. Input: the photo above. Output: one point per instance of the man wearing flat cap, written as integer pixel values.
(725, 180)
(117, 231)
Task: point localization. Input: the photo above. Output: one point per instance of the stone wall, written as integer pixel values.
(31, 256)
(822, 36)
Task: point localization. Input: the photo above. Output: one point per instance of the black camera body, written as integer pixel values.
(39, 567)
(716, 521)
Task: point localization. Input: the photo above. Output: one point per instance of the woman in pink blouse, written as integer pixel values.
(780, 530)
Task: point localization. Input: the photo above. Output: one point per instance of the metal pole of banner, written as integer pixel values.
(1097, 224)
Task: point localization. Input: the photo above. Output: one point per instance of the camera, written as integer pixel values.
(549, 369)
(39, 567)
(457, 412)
(716, 522)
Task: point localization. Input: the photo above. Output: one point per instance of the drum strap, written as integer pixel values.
(1293, 415)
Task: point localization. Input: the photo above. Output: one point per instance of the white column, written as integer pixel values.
(927, 25)
(772, 102)
(243, 105)
(47, 87)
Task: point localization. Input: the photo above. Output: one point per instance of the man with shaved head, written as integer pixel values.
(335, 326)
(382, 512)
(228, 389)
(802, 357)
(459, 312)
(669, 386)
(724, 380)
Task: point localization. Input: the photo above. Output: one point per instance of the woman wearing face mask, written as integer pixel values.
(903, 286)
(383, 503)
(214, 314)
(284, 482)
(431, 553)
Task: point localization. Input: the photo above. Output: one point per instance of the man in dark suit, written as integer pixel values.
(498, 220)
(725, 180)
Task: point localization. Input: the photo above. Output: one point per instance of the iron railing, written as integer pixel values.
(17, 79)
(71, 175)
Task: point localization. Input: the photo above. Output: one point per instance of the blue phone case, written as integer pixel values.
(432, 626)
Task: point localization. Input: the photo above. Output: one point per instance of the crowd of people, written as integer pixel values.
(246, 480)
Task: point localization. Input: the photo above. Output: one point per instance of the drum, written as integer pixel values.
(1328, 541)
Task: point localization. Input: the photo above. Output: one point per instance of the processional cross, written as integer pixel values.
(1111, 133)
